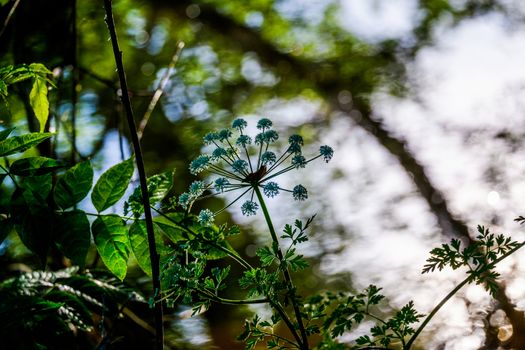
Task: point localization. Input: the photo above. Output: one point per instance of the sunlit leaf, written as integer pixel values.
(74, 185)
(111, 186)
(34, 166)
(38, 69)
(18, 144)
(138, 237)
(39, 102)
(72, 236)
(3, 89)
(111, 238)
(158, 187)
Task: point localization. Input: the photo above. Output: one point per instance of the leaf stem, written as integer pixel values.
(234, 301)
(154, 257)
(286, 320)
(286, 273)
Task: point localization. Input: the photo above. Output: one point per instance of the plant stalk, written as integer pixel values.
(451, 294)
(154, 257)
(286, 273)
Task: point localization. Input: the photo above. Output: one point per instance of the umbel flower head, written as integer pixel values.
(245, 164)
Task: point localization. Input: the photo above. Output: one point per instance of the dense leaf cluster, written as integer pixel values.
(479, 257)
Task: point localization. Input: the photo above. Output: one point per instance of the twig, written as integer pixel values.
(286, 273)
(9, 16)
(160, 90)
(154, 257)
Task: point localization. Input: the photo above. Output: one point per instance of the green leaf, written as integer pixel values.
(5, 133)
(34, 166)
(298, 263)
(158, 187)
(111, 239)
(138, 237)
(111, 186)
(12, 75)
(36, 189)
(72, 236)
(39, 102)
(174, 232)
(18, 144)
(34, 224)
(216, 253)
(74, 185)
(266, 255)
(38, 69)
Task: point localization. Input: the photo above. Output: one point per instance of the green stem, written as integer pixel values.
(280, 338)
(286, 273)
(454, 291)
(286, 320)
(233, 301)
(399, 336)
(98, 215)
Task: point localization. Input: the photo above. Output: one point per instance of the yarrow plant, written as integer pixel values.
(248, 165)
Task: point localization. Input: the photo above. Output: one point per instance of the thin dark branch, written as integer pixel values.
(159, 330)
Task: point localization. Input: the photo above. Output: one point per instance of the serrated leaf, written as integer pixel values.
(39, 69)
(158, 187)
(72, 236)
(266, 256)
(111, 185)
(18, 144)
(17, 74)
(39, 102)
(298, 263)
(3, 89)
(111, 239)
(74, 185)
(32, 166)
(138, 237)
